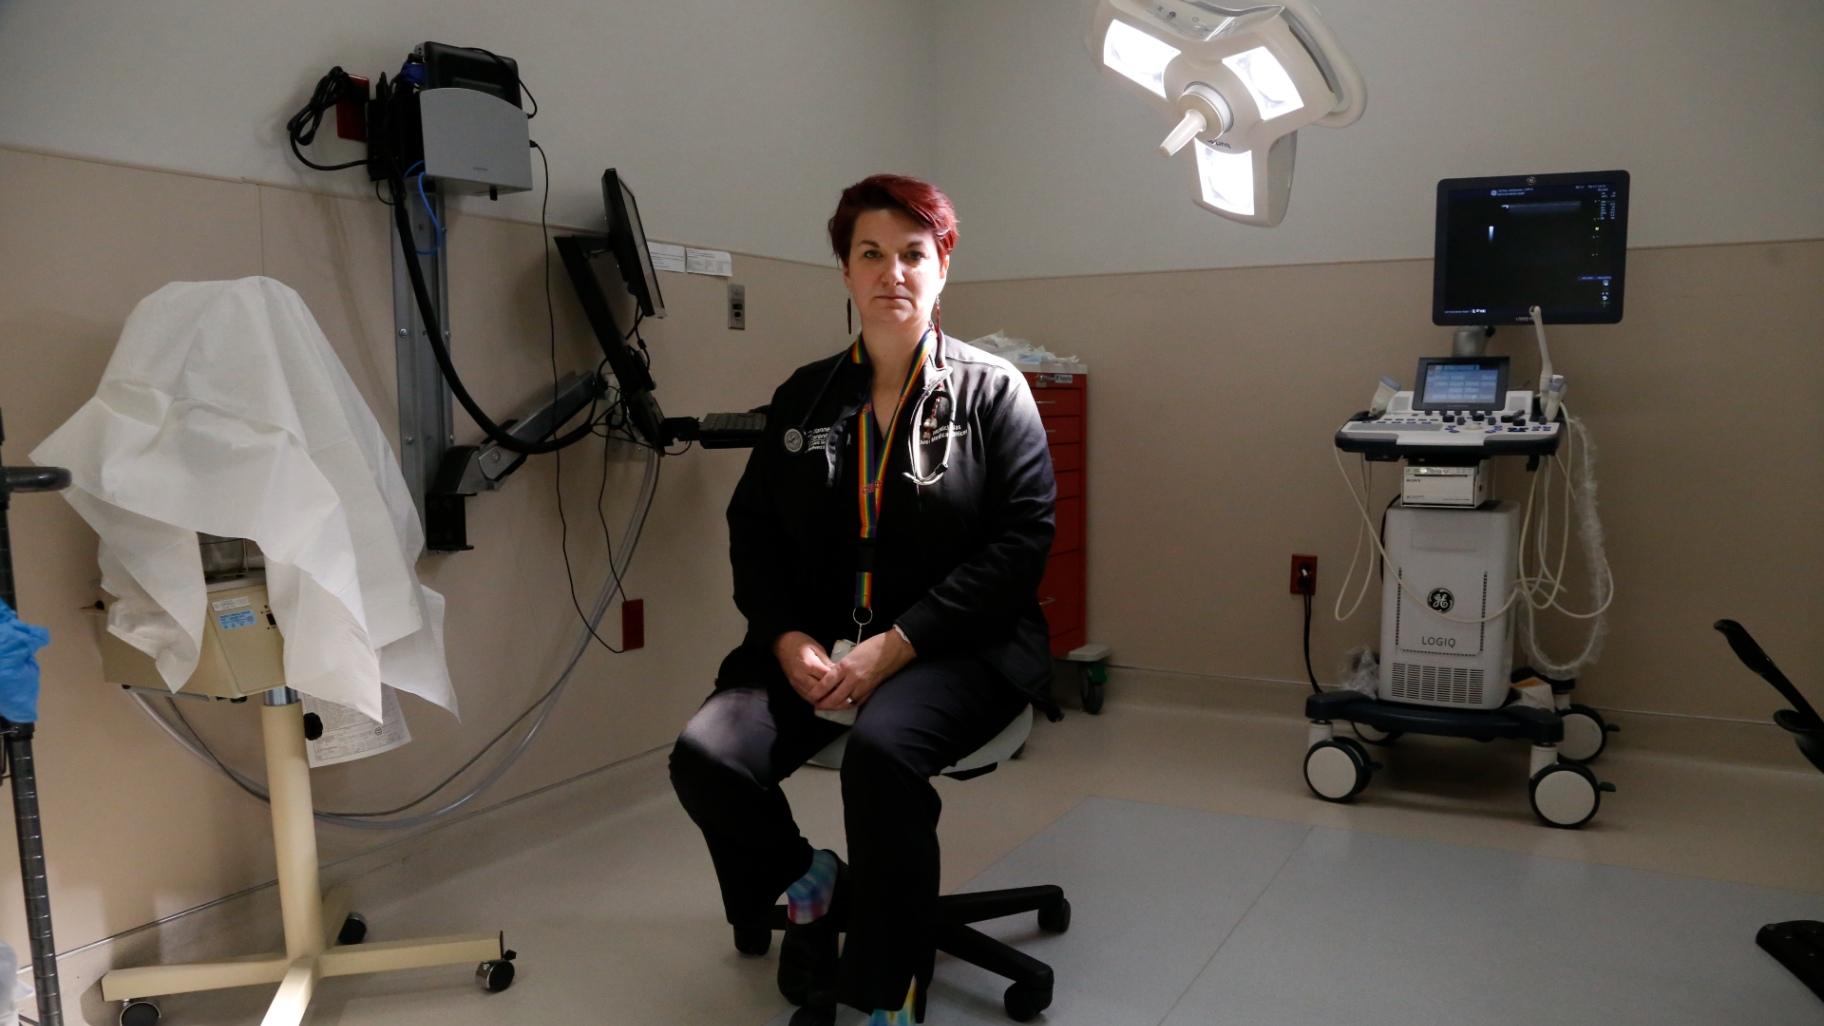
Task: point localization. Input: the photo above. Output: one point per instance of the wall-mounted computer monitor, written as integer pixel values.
(592, 267)
(1558, 242)
(627, 238)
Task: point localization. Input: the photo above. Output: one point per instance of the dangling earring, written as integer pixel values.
(848, 315)
(937, 319)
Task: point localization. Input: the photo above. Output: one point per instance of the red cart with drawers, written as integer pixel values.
(1062, 398)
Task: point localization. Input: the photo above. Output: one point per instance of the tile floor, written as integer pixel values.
(1209, 887)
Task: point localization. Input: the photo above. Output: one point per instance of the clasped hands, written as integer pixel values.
(844, 683)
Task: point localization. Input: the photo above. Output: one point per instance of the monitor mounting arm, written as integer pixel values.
(467, 470)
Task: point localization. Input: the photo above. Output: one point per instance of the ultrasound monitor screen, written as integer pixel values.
(1456, 385)
(1555, 241)
(1460, 383)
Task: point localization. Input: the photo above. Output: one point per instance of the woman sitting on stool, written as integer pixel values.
(887, 540)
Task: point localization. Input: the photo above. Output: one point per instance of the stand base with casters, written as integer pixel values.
(1562, 794)
(313, 951)
(1029, 991)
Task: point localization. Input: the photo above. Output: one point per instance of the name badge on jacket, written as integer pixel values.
(816, 440)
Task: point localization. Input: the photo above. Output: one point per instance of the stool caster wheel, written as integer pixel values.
(753, 941)
(1055, 918)
(354, 930)
(138, 1013)
(1024, 1003)
(496, 974)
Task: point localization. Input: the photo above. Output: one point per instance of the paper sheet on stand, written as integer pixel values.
(225, 410)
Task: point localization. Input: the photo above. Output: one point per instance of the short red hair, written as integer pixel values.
(919, 200)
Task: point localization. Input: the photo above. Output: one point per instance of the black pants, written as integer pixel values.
(729, 761)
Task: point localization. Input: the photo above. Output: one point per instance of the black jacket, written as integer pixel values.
(957, 563)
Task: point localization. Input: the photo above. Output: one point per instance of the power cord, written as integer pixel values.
(1513, 595)
(191, 741)
(301, 128)
(1539, 590)
(502, 61)
(1309, 675)
(440, 350)
(557, 458)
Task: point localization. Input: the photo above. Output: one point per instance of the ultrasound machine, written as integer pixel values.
(1513, 250)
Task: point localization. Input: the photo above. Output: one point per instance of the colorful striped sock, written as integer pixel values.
(897, 1017)
(808, 898)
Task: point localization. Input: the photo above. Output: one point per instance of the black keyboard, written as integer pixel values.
(731, 430)
(732, 422)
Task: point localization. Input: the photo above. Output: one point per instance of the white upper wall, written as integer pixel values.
(1716, 109)
(737, 124)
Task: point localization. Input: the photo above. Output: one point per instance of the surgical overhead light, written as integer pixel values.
(1242, 82)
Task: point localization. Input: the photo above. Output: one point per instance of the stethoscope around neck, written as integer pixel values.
(935, 394)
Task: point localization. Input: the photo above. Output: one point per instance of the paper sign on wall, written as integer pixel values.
(667, 257)
(709, 261)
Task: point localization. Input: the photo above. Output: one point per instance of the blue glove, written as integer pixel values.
(19, 644)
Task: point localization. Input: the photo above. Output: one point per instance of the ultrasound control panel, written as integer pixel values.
(1512, 428)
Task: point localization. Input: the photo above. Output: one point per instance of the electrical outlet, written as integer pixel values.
(351, 110)
(737, 307)
(633, 624)
(1304, 575)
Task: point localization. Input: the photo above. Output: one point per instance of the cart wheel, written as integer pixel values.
(1566, 795)
(1586, 734)
(1375, 735)
(1336, 770)
(1092, 689)
(138, 1013)
(1055, 918)
(1024, 1003)
(354, 930)
(495, 975)
(753, 940)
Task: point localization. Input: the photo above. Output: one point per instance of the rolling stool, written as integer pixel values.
(1030, 992)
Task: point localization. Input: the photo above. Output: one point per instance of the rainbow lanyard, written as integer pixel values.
(871, 479)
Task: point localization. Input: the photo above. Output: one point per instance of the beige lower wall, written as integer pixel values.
(1213, 397)
(137, 829)
(1210, 463)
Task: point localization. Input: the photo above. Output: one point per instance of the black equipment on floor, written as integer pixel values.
(1799, 943)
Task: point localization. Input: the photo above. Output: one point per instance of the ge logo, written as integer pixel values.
(1441, 600)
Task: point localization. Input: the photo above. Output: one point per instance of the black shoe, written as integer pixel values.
(814, 1015)
(807, 955)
